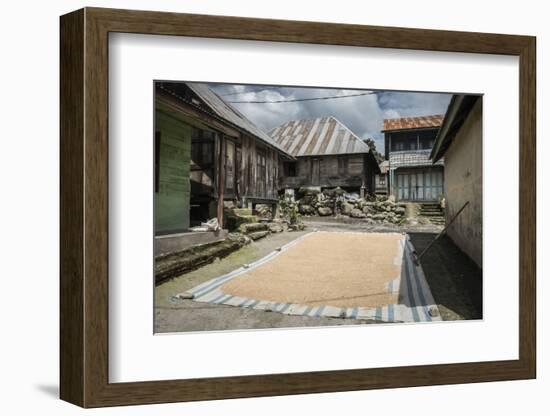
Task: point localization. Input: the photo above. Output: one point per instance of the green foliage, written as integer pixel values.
(289, 209)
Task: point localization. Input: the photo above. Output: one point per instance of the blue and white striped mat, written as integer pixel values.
(415, 304)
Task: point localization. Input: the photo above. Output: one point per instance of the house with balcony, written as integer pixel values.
(408, 143)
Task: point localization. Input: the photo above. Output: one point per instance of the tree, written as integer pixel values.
(372, 145)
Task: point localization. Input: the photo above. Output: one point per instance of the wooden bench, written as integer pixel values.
(252, 201)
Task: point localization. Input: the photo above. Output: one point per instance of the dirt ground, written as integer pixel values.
(176, 315)
(454, 281)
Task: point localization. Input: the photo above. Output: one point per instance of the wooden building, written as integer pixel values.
(206, 154)
(381, 181)
(460, 142)
(408, 142)
(327, 154)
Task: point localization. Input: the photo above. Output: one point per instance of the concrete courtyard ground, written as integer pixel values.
(454, 280)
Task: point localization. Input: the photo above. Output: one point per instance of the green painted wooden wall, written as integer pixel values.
(173, 197)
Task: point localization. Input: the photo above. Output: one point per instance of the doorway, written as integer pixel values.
(419, 185)
(315, 172)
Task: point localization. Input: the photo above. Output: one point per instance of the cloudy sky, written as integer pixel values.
(364, 115)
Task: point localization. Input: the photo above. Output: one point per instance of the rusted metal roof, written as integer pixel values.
(320, 136)
(407, 123)
(227, 112)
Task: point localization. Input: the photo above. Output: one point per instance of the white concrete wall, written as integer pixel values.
(463, 182)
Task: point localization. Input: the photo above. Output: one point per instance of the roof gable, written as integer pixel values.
(225, 111)
(316, 137)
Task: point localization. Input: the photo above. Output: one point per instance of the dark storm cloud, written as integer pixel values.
(364, 115)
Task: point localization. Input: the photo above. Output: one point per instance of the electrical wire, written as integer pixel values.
(301, 99)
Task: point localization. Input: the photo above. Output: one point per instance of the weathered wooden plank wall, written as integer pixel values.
(172, 198)
(330, 174)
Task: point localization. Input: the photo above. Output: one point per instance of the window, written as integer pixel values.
(398, 146)
(202, 149)
(290, 169)
(342, 166)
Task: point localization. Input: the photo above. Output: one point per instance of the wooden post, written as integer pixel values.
(364, 185)
(221, 178)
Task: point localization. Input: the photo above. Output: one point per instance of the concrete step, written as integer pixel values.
(431, 214)
(233, 222)
(249, 228)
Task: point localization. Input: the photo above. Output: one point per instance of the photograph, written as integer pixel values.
(295, 206)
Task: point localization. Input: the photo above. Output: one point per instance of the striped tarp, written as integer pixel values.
(415, 304)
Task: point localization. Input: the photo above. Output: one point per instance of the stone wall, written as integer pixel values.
(337, 202)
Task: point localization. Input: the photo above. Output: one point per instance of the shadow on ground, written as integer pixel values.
(454, 279)
(51, 390)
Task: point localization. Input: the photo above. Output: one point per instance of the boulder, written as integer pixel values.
(275, 228)
(400, 210)
(309, 190)
(334, 192)
(347, 208)
(360, 203)
(306, 209)
(357, 213)
(258, 234)
(324, 211)
(296, 227)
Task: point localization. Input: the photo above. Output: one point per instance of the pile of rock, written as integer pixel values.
(384, 210)
(313, 201)
(337, 202)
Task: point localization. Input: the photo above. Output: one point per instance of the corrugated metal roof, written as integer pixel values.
(406, 123)
(230, 113)
(320, 136)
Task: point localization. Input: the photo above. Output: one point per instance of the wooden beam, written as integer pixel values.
(179, 109)
(221, 177)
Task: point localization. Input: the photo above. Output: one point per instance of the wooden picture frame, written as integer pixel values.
(84, 207)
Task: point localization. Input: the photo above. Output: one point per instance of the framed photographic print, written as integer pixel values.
(255, 207)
